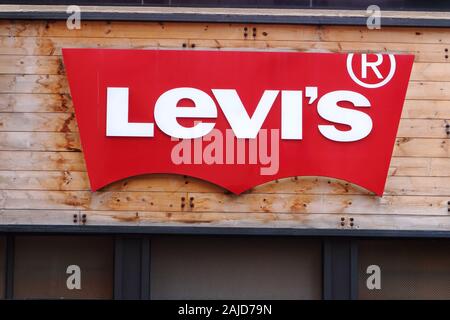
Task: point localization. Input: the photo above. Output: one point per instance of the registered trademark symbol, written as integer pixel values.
(365, 65)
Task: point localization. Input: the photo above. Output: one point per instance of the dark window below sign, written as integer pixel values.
(63, 267)
(423, 5)
(408, 269)
(235, 268)
(2, 266)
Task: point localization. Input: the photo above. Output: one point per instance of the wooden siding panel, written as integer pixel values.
(43, 177)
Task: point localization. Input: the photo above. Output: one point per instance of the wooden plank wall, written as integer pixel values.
(42, 172)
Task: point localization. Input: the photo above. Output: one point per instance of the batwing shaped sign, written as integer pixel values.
(237, 119)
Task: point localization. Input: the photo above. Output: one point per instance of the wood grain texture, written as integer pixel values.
(73, 161)
(69, 141)
(40, 141)
(417, 90)
(65, 122)
(41, 161)
(51, 46)
(43, 177)
(33, 84)
(54, 65)
(425, 109)
(78, 180)
(37, 103)
(274, 12)
(30, 102)
(229, 219)
(264, 220)
(154, 30)
(275, 203)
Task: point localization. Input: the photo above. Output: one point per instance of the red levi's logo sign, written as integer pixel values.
(237, 119)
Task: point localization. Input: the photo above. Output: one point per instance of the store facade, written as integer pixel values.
(171, 236)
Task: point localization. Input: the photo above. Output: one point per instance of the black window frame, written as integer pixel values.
(391, 5)
(132, 252)
(252, 15)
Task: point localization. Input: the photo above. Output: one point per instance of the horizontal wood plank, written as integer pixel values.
(29, 102)
(417, 90)
(263, 219)
(43, 177)
(417, 147)
(48, 46)
(420, 128)
(431, 71)
(220, 202)
(31, 65)
(45, 122)
(228, 219)
(42, 161)
(421, 52)
(124, 29)
(77, 180)
(403, 166)
(39, 217)
(54, 65)
(74, 161)
(421, 90)
(395, 185)
(83, 200)
(424, 109)
(329, 203)
(172, 30)
(33, 84)
(33, 102)
(40, 141)
(65, 122)
(58, 141)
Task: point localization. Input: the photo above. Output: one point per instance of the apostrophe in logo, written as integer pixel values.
(374, 73)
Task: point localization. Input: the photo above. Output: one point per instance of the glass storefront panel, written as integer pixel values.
(63, 267)
(404, 269)
(184, 267)
(2, 266)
